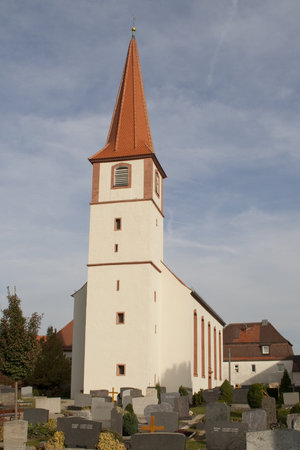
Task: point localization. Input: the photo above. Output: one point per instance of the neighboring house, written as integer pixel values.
(135, 323)
(255, 353)
(66, 336)
(296, 370)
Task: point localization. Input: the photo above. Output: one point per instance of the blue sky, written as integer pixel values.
(222, 86)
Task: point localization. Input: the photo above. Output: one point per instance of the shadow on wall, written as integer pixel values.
(176, 376)
(267, 376)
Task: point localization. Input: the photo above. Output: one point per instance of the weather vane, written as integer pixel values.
(133, 25)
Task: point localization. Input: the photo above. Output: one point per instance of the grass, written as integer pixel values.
(198, 410)
(194, 445)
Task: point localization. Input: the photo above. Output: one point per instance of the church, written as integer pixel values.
(135, 322)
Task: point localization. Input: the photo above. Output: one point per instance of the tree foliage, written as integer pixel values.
(226, 392)
(52, 371)
(18, 340)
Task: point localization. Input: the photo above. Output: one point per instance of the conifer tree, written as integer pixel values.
(52, 371)
(18, 342)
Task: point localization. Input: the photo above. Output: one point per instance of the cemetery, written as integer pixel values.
(217, 419)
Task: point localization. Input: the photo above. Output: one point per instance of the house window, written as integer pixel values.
(120, 318)
(236, 368)
(157, 183)
(253, 368)
(265, 349)
(121, 369)
(121, 175)
(117, 224)
(118, 285)
(116, 248)
(280, 367)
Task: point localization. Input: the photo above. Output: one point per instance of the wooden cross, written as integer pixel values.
(113, 392)
(152, 427)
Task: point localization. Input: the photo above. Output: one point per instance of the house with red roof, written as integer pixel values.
(255, 352)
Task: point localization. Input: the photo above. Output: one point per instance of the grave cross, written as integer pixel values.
(152, 427)
(113, 392)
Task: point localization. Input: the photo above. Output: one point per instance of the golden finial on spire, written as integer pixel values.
(133, 26)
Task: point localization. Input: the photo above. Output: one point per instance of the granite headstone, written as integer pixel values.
(36, 415)
(79, 433)
(158, 441)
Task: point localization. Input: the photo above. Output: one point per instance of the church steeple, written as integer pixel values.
(129, 133)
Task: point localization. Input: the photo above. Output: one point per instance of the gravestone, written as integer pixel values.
(273, 440)
(7, 396)
(116, 421)
(190, 395)
(101, 412)
(36, 415)
(74, 408)
(296, 423)
(158, 441)
(84, 413)
(26, 391)
(139, 404)
(53, 404)
(167, 419)
(126, 401)
(15, 434)
(160, 407)
(182, 406)
(151, 392)
(211, 395)
(240, 396)
(99, 393)
(217, 412)
(290, 419)
(82, 400)
(226, 436)
(79, 432)
(269, 405)
(256, 419)
(290, 398)
(132, 393)
(169, 397)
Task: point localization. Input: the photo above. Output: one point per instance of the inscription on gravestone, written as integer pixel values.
(79, 432)
(226, 436)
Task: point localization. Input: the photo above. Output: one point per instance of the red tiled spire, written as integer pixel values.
(129, 133)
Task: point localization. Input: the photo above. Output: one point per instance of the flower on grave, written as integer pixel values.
(110, 441)
(56, 442)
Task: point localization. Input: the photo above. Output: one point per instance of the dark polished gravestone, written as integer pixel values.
(217, 412)
(273, 440)
(226, 435)
(240, 396)
(167, 419)
(269, 405)
(79, 433)
(158, 441)
(169, 397)
(116, 421)
(99, 393)
(256, 419)
(7, 395)
(182, 406)
(36, 415)
(211, 395)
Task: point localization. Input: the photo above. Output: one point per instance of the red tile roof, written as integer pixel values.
(66, 336)
(129, 133)
(245, 341)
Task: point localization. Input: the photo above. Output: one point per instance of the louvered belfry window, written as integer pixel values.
(121, 176)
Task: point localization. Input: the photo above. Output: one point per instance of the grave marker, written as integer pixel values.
(15, 434)
(226, 435)
(290, 398)
(217, 412)
(256, 419)
(36, 415)
(273, 440)
(158, 441)
(152, 427)
(113, 392)
(269, 405)
(79, 432)
(182, 406)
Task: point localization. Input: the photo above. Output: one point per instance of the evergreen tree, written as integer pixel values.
(18, 342)
(52, 371)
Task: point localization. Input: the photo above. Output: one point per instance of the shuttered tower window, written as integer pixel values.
(121, 177)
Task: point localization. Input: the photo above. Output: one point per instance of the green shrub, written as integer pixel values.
(158, 389)
(129, 408)
(282, 415)
(42, 431)
(226, 392)
(285, 385)
(183, 391)
(255, 395)
(295, 409)
(130, 424)
(198, 398)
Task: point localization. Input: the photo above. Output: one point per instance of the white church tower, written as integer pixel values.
(122, 335)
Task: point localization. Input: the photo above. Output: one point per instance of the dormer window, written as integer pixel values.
(265, 349)
(121, 176)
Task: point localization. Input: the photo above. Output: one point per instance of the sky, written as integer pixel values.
(221, 79)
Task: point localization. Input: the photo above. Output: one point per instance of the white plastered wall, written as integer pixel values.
(267, 372)
(78, 340)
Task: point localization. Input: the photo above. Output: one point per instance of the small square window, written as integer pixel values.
(253, 368)
(116, 248)
(118, 224)
(120, 318)
(265, 349)
(121, 369)
(118, 285)
(236, 368)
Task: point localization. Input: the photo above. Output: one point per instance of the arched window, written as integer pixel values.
(195, 344)
(121, 175)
